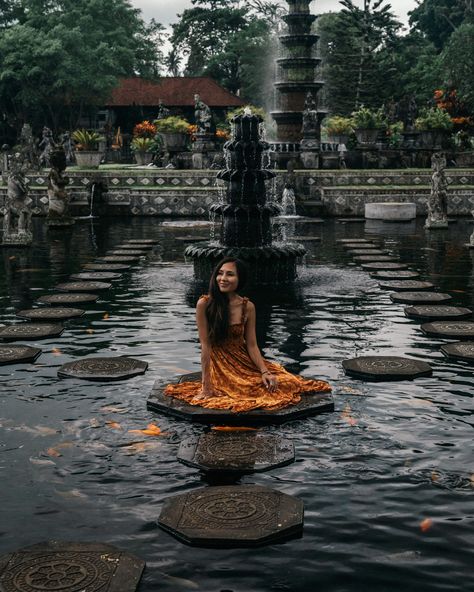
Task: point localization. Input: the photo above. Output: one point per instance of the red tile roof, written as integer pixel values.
(173, 92)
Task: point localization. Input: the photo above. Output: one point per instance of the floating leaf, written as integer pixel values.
(233, 429)
(56, 351)
(53, 452)
(151, 430)
(113, 425)
(426, 524)
(110, 409)
(41, 462)
(106, 316)
(90, 331)
(434, 476)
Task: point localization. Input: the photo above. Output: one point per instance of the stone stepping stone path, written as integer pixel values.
(344, 241)
(30, 331)
(448, 329)
(232, 516)
(118, 259)
(420, 297)
(392, 275)
(191, 239)
(68, 298)
(355, 246)
(369, 258)
(382, 266)
(463, 351)
(103, 369)
(18, 354)
(124, 253)
(386, 368)
(70, 567)
(349, 220)
(83, 286)
(106, 266)
(96, 275)
(139, 247)
(144, 241)
(50, 314)
(408, 285)
(366, 252)
(238, 452)
(308, 406)
(433, 312)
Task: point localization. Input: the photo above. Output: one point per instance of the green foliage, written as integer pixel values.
(365, 118)
(240, 111)
(143, 145)
(458, 62)
(337, 124)
(85, 139)
(433, 119)
(395, 134)
(172, 124)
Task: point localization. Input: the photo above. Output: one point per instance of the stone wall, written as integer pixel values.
(189, 193)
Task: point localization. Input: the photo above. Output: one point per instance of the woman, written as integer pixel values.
(234, 374)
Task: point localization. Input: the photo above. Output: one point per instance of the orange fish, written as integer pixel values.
(426, 524)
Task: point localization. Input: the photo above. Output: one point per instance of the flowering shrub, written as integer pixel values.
(447, 100)
(144, 129)
(222, 134)
(434, 119)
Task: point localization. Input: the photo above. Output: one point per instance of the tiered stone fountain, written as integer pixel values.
(246, 230)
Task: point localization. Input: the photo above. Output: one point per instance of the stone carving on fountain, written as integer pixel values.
(17, 211)
(438, 200)
(246, 230)
(297, 76)
(58, 209)
(203, 144)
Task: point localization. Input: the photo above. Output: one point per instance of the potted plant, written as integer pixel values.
(338, 129)
(87, 148)
(434, 125)
(395, 134)
(173, 131)
(367, 124)
(144, 150)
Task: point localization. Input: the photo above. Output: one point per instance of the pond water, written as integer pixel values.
(387, 479)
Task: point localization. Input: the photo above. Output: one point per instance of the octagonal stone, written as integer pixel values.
(126, 253)
(30, 331)
(18, 354)
(137, 247)
(356, 246)
(145, 241)
(463, 350)
(344, 241)
(433, 312)
(420, 297)
(106, 266)
(366, 252)
(308, 406)
(369, 258)
(70, 567)
(232, 516)
(448, 329)
(386, 368)
(118, 259)
(408, 285)
(96, 276)
(237, 452)
(68, 298)
(83, 286)
(392, 275)
(103, 369)
(50, 314)
(381, 266)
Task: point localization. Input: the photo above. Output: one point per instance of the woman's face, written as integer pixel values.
(227, 278)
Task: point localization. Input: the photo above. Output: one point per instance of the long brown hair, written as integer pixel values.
(217, 311)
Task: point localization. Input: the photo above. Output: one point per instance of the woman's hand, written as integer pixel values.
(269, 381)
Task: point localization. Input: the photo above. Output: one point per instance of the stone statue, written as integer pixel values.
(412, 113)
(471, 240)
(46, 146)
(28, 148)
(203, 116)
(438, 200)
(163, 111)
(310, 117)
(68, 145)
(58, 208)
(17, 218)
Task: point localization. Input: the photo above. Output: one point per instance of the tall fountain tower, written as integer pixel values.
(297, 73)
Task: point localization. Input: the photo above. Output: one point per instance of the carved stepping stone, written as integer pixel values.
(460, 351)
(366, 252)
(124, 253)
(239, 452)
(308, 406)
(96, 275)
(232, 516)
(18, 354)
(386, 368)
(376, 266)
(408, 285)
(50, 314)
(30, 331)
(144, 241)
(432, 312)
(448, 329)
(354, 246)
(349, 220)
(191, 239)
(70, 567)
(389, 275)
(67, 298)
(344, 241)
(420, 297)
(118, 259)
(368, 258)
(114, 368)
(83, 286)
(138, 247)
(106, 266)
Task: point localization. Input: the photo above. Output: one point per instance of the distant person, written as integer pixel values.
(235, 376)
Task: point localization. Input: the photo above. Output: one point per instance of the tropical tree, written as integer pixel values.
(459, 64)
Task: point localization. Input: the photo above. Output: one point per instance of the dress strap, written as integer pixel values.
(244, 310)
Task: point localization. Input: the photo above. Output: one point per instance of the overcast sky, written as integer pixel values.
(165, 11)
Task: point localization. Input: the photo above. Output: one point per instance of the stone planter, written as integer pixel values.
(339, 138)
(143, 158)
(465, 159)
(174, 142)
(366, 137)
(432, 139)
(88, 159)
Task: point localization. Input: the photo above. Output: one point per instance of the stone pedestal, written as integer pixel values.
(203, 151)
(309, 153)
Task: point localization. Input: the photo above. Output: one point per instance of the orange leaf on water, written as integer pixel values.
(106, 316)
(434, 476)
(90, 331)
(56, 351)
(53, 452)
(113, 425)
(151, 430)
(426, 524)
(233, 429)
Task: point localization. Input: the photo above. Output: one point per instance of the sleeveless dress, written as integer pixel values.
(237, 381)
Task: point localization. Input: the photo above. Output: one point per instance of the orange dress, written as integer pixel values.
(238, 383)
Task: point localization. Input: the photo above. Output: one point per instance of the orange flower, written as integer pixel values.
(144, 129)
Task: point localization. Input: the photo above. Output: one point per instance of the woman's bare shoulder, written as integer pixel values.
(203, 301)
(250, 305)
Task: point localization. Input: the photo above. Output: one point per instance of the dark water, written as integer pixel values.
(391, 458)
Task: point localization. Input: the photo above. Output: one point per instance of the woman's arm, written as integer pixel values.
(203, 330)
(269, 380)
